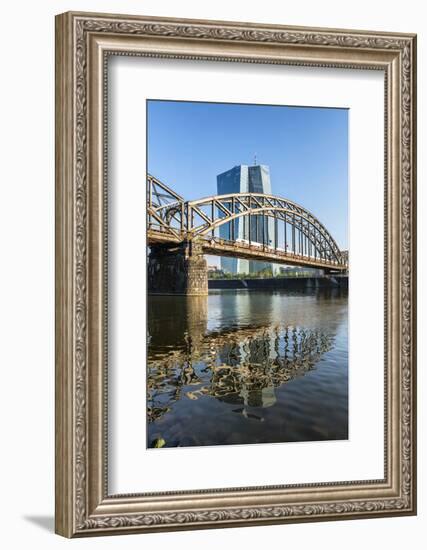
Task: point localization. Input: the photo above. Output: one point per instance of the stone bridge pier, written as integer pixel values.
(179, 269)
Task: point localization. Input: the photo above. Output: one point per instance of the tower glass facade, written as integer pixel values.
(246, 179)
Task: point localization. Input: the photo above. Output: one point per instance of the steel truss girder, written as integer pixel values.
(322, 238)
(168, 206)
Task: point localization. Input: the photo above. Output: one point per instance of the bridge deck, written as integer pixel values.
(250, 251)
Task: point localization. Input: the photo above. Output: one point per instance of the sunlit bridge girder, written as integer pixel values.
(248, 225)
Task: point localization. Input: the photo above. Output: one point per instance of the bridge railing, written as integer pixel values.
(268, 249)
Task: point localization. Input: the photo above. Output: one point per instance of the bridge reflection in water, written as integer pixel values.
(222, 380)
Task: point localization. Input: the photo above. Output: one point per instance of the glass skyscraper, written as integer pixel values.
(246, 179)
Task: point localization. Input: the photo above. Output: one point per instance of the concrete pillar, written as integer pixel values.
(179, 269)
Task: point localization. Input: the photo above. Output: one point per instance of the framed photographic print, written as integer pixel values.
(235, 274)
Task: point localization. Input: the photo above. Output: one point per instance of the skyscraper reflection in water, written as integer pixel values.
(261, 359)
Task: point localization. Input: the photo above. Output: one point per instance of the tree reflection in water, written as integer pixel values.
(237, 365)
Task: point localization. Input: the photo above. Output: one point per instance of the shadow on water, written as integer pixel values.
(227, 368)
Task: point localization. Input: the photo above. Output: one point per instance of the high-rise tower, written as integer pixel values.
(246, 179)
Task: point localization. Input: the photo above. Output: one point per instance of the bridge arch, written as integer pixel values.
(207, 215)
(289, 225)
(322, 241)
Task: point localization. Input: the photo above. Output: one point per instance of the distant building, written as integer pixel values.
(291, 270)
(246, 179)
(214, 272)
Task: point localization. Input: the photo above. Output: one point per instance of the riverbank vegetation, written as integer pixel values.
(264, 274)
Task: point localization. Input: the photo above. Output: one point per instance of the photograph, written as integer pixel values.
(247, 274)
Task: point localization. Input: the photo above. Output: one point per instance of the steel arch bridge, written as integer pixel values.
(246, 225)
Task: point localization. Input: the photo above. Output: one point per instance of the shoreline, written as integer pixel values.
(296, 283)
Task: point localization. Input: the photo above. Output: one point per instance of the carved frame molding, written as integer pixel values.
(83, 43)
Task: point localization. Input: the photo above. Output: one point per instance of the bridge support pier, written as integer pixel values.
(179, 269)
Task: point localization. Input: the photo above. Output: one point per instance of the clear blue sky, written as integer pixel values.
(306, 148)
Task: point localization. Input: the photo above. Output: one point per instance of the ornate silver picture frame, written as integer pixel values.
(84, 505)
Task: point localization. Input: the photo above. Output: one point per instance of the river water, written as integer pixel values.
(241, 367)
